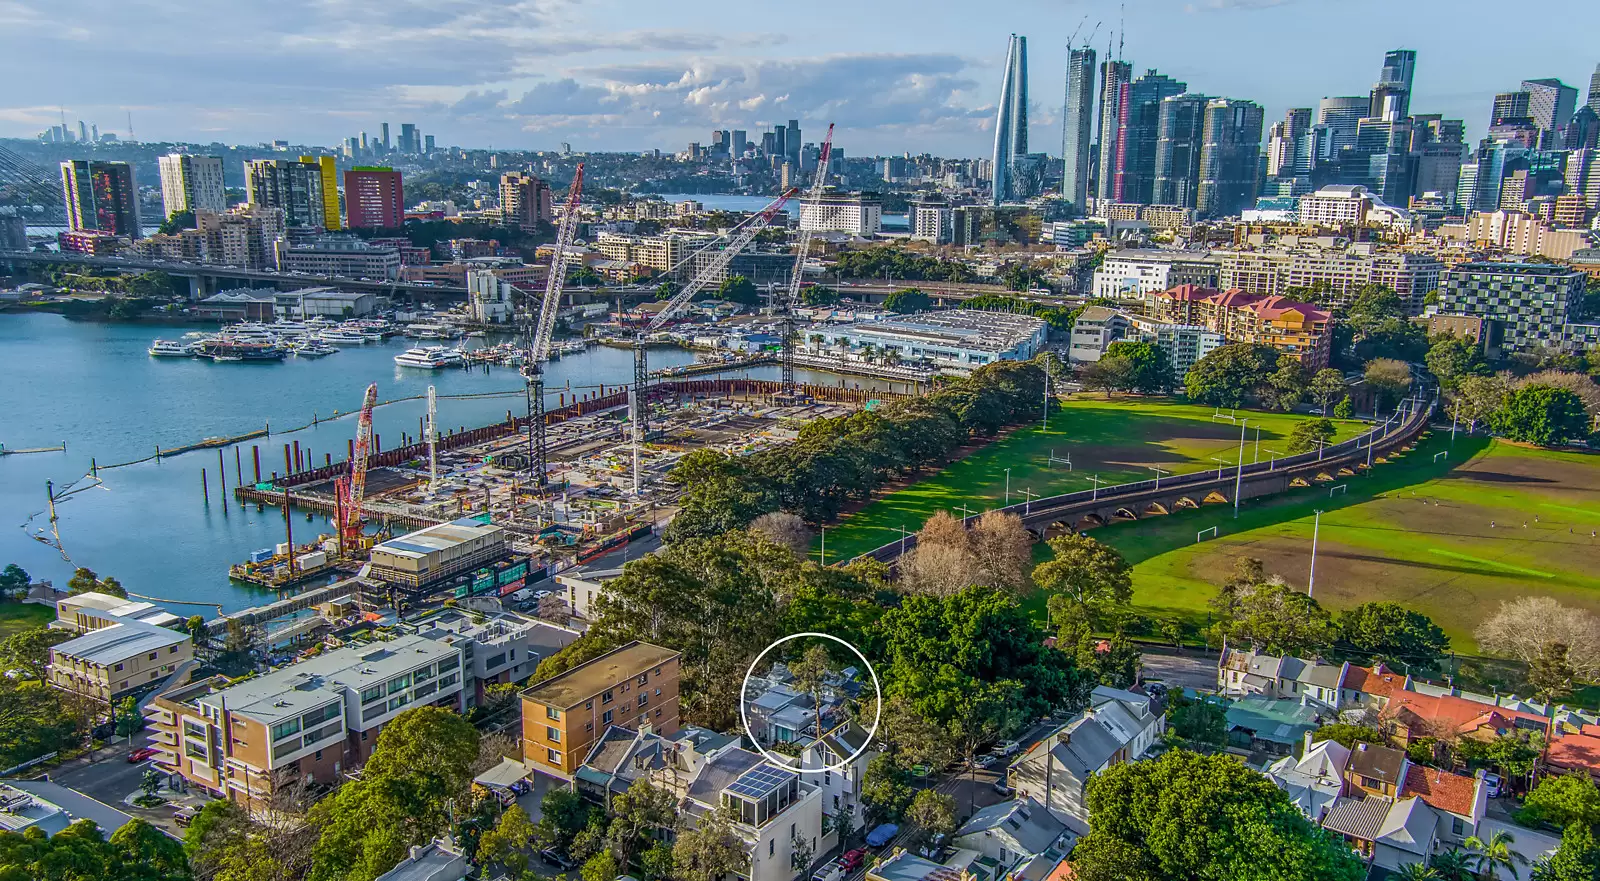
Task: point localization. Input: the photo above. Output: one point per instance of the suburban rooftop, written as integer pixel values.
(592, 677)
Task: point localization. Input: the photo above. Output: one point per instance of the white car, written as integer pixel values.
(1495, 786)
(1006, 748)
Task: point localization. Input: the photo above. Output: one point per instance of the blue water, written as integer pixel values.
(94, 386)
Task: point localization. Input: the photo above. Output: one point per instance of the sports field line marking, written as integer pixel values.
(1520, 570)
(1570, 510)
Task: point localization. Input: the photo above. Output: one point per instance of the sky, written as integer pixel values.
(895, 76)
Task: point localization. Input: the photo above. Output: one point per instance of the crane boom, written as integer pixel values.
(540, 329)
(353, 488)
(796, 275)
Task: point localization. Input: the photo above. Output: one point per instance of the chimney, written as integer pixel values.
(1307, 747)
(417, 852)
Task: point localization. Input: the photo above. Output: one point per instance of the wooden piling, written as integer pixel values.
(222, 477)
(296, 456)
(288, 462)
(238, 466)
(255, 460)
(205, 487)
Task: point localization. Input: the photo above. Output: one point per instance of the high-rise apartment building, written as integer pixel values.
(635, 686)
(525, 200)
(373, 198)
(1011, 120)
(1340, 116)
(1113, 76)
(1138, 130)
(1181, 130)
(1550, 103)
(1230, 152)
(1077, 129)
(290, 185)
(328, 171)
(791, 143)
(100, 197)
(192, 183)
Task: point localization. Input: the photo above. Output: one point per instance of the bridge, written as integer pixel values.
(1086, 509)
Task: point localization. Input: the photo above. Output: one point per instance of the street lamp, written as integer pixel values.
(1096, 494)
(1316, 527)
(1158, 472)
(1238, 473)
(1027, 507)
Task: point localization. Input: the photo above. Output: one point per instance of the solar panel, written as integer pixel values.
(758, 782)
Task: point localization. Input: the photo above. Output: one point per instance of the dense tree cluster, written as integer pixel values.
(838, 461)
(1247, 374)
(1130, 366)
(907, 300)
(81, 852)
(897, 263)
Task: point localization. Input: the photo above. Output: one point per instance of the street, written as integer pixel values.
(1191, 669)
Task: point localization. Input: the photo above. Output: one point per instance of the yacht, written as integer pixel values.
(170, 349)
(342, 336)
(313, 348)
(430, 357)
(433, 332)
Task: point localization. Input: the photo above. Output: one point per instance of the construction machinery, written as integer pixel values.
(350, 490)
(786, 308)
(639, 391)
(541, 327)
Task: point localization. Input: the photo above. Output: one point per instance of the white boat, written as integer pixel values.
(342, 337)
(433, 332)
(170, 349)
(217, 358)
(430, 358)
(314, 349)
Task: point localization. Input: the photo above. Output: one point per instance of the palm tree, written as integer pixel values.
(869, 352)
(817, 340)
(1417, 872)
(1453, 865)
(1489, 856)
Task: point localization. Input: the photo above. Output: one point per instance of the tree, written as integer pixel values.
(635, 814)
(1564, 799)
(1393, 634)
(1494, 854)
(710, 850)
(1186, 815)
(146, 853)
(1389, 378)
(1150, 369)
(1452, 359)
(1348, 736)
(809, 672)
(1477, 398)
(603, 866)
(83, 580)
(911, 738)
(885, 791)
(179, 220)
(937, 569)
(1231, 375)
(1288, 383)
(1550, 673)
(1578, 857)
(1109, 374)
(667, 290)
(1345, 409)
(933, 812)
(1198, 721)
(14, 581)
(562, 815)
(1085, 571)
(907, 301)
(1452, 865)
(29, 650)
(1326, 387)
(1416, 872)
(129, 720)
(506, 843)
(783, 528)
(1521, 629)
(1542, 415)
(1003, 549)
(738, 289)
(817, 295)
(1274, 618)
(1309, 434)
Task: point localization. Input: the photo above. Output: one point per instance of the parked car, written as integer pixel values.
(882, 835)
(553, 857)
(852, 859)
(141, 754)
(1494, 785)
(1001, 788)
(184, 816)
(1006, 747)
(831, 871)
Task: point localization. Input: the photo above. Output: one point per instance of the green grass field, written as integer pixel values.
(1416, 531)
(1116, 440)
(23, 616)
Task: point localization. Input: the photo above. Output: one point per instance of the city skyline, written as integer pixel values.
(465, 73)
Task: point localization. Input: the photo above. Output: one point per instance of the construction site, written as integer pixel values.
(556, 485)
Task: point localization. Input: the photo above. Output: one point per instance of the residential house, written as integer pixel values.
(779, 814)
(498, 648)
(623, 757)
(1315, 780)
(1375, 770)
(1119, 726)
(903, 865)
(1245, 672)
(1272, 727)
(1021, 835)
(112, 662)
(843, 754)
(1410, 715)
(634, 685)
(1389, 833)
(1575, 752)
(438, 860)
(1461, 802)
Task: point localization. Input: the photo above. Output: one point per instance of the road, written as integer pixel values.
(112, 778)
(1191, 669)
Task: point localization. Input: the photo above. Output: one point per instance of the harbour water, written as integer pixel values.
(94, 386)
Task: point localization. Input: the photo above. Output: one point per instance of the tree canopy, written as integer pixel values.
(907, 300)
(1232, 376)
(1542, 415)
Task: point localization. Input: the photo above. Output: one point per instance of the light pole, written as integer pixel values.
(1258, 445)
(1158, 472)
(1008, 487)
(1238, 471)
(903, 534)
(1316, 527)
(1273, 462)
(1046, 426)
(1096, 494)
(1027, 507)
(1222, 464)
(823, 552)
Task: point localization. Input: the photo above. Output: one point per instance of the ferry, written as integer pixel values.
(343, 337)
(225, 348)
(430, 358)
(170, 349)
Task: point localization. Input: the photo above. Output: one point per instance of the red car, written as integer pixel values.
(852, 860)
(141, 754)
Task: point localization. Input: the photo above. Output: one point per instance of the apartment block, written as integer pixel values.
(1133, 272)
(1344, 271)
(374, 198)
(111, 662)
(496, 649)
(294, 187)
(856, 214)
(525, 201)
(101, 197)
(1299, 329)
(635, 686)
(1537, 304)
(192, 183)
(1520, 234)
(340, 255)
(305, 723)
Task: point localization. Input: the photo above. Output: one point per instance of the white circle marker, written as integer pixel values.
(877, 714)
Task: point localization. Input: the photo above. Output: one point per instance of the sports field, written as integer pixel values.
(1115, 440)
(15, 617)
(1449, 538)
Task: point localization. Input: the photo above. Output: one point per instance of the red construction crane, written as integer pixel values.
(352, 488)
(541, 327)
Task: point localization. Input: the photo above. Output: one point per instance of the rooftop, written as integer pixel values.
(73, 805)
(439, 537)
(592, 677)
(970, 328)
(1456, 793)
(119, 642)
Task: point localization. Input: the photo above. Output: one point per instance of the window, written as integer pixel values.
(658, 713)
(399, 701)
(772, 846)
(588, 705)
(153, 656)
(284, 729)
(495, 660)
(450, 663)
(554, 756)
(319, 755)
(658, 692)
(836, 801)
(605, 698)
(172, 650)
(1370, 782)
(827, 777)
(552, 713)
(194, 750)
(423, 691)
(644, 699)
(423, 674)
(1457, 827)
(643, 677)
(117, 669)
(606, 719)
(552, 734)
(588, 726)
(371, 694)
(399, 683)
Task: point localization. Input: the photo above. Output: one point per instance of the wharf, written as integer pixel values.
(286, 606)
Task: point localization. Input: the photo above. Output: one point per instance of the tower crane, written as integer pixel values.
(641, 369)
(786, 308)
(541, 327)
(1077, 30)
(351, 489)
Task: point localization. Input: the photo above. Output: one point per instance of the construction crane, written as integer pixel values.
(786, 308)
(1077, 30)
(541, 327)
(433, 441)
(350, 490)
(641, 369)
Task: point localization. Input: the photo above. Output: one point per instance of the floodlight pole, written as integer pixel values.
(1316, 527)
(1238, 471)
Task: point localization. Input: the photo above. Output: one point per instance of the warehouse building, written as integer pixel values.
(959, 340)
(429, 558)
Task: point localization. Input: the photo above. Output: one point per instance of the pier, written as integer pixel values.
(289, 605)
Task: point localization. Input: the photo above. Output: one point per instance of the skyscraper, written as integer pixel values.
(1594, 89)
(100, 197)
(373, 198)
(1138, 129)
(740, 143)
(1284, 153)
(290, 185)
(1230, 152)
(384, 136)
(1340, 117)
(1113, 76)
(192, 183)
(1011, 121)
(1178, 142)
(1077, 129)
(328, 170)
(408, 138)
(525, 200)
(1391, 97)
(1399, 66)
(791, 143)
(1550, 103)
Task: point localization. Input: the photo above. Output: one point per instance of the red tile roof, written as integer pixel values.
(1455, 793)
(1463, 716)
(1188, 292)
(1374, 680)
(1576, 752)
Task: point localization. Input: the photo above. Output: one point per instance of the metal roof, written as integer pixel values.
(120, 641)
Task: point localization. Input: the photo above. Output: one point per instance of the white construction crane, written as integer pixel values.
(433, 441)
(641, 369)
(786, 308)
(541, 327)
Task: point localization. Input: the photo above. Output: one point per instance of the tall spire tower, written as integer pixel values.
(1011, 120)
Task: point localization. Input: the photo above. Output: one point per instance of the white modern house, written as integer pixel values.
(1119, 726)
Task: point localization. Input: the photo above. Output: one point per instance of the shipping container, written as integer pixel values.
(312, 560)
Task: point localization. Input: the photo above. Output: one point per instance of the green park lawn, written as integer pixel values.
(16, 617)
(1417, 531)
(1115, 440)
